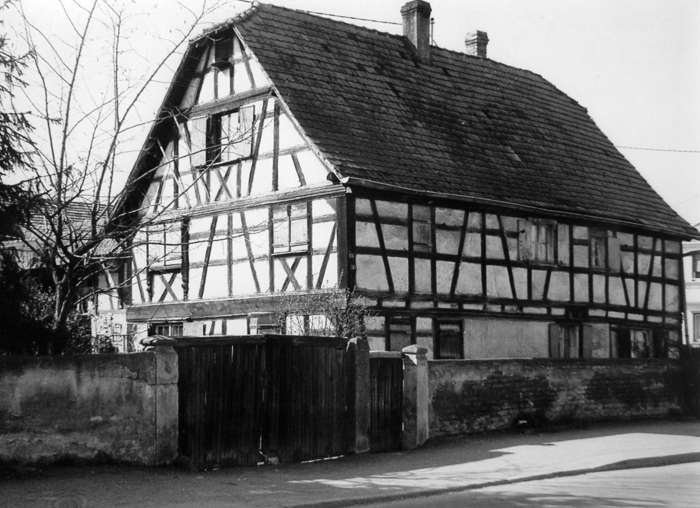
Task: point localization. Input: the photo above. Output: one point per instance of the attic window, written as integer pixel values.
(230, 135)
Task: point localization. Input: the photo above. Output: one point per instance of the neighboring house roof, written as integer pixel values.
(77, 218)
(457, 125)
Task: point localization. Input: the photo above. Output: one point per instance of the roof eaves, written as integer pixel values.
(685, 234)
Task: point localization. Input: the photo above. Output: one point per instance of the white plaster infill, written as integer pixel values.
(527, 462)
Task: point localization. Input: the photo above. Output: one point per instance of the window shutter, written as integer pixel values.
(614, 253)
(563, 243)
(299, 223)
(280, 220)
(524, 227)
(244, 136)
(198, 140)
(587, 341)
(554, 331)
(173, 243)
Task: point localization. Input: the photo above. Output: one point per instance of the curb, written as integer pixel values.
(668, 460)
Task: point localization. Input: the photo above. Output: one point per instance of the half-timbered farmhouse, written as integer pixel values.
(479, 209)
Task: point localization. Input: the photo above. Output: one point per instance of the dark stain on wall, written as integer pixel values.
(482, 395)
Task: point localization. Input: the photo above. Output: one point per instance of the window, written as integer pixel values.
(290, 226)
(640, 344)
(400, 333)
(599, 247)
(696, 327)
(220, 138)
(164, 243)
(604, 250)
(695, 270)
(230, 135)
(543, 242)
(565, 341)
(449, 341)
(631, 343)
(537, 241)
(422, 237)
(167, 329)
(260, 324)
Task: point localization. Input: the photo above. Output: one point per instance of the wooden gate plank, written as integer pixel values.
(386, 381)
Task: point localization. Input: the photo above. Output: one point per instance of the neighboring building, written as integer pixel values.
(478, 208)
(101, 299)
(691, 271)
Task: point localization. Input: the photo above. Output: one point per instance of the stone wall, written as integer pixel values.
(468, 396)
(121, 407)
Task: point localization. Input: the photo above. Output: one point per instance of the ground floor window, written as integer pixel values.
(565, 341)
(631, 342)
(168, 329)
(399, 331)
(696, 327)
(449, 340)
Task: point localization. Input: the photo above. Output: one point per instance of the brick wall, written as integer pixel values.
(469, 396)
(123, 407)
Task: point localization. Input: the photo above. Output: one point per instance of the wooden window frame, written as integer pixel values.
(623, 340)
(422, 228)
(598, 249)
(695, 265)
(400, 321)
(219, 152)
(696, 326)
(604, 250)
(167, 326)
(168, 261)
(530, 246)
(438, 353)
(290, 232)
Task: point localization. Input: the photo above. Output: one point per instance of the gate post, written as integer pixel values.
(166, 401)
(415, 397)
(359, 396)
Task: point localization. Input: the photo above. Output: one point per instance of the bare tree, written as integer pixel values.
(330, 312)
(84, 117)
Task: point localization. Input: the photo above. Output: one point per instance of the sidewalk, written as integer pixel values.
(441, 466)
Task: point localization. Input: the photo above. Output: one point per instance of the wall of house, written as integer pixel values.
(505, 338)
(476, 396)
(692, 290)
(239, 204)
(508, 278)
(122, 407)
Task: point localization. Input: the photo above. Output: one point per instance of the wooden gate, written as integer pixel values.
(245, 400)
(386, 406)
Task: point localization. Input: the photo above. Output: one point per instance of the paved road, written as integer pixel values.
(667, 486)
(449, 464)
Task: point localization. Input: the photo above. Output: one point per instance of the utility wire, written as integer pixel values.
(350, 17)
(657, 149)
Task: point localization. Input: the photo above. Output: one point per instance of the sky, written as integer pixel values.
(635, 64)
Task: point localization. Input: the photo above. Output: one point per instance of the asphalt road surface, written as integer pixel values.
(666, 486)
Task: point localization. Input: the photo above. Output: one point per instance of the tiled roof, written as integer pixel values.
(457, 124)
(77, 218)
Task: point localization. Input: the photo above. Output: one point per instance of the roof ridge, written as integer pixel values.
(267, 6)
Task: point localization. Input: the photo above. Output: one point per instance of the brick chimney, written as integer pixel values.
(476, 43)
(416, 26)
